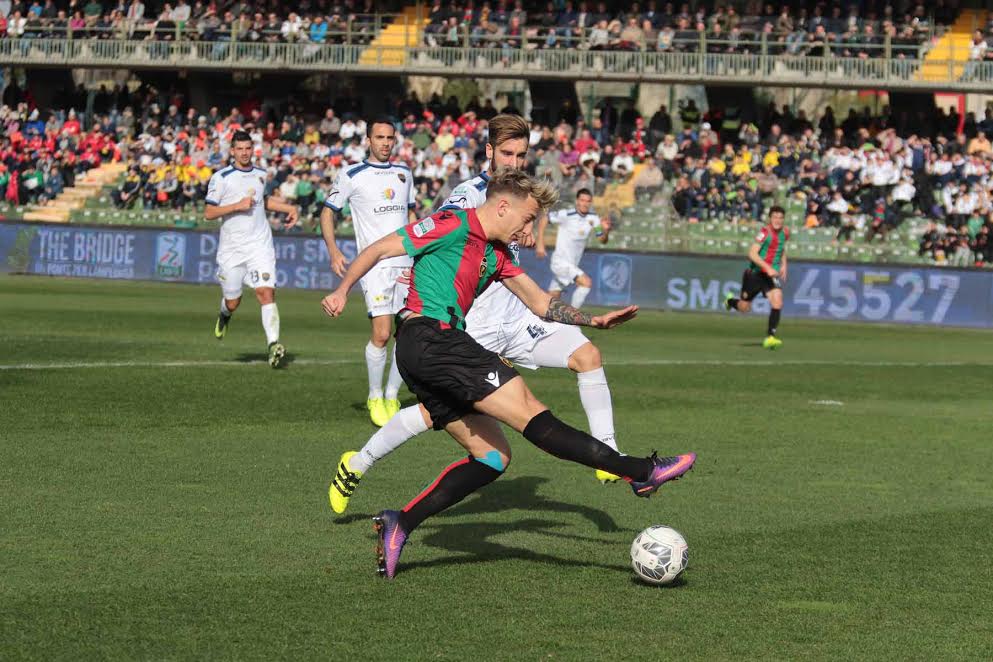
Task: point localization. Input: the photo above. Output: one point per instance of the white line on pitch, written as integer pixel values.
(643, 362)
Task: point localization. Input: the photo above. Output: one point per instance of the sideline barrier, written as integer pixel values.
(876, 293)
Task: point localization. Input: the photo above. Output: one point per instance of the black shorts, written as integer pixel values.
(447, 369)
(753, 282)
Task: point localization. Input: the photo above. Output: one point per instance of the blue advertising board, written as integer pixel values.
(877, 293)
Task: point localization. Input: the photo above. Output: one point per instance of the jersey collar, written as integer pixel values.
(248, 169)
(377, 165)
(484, 176)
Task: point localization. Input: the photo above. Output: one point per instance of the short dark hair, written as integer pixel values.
(583, 191)
(776, 208)
(240, 136)
(378, 119)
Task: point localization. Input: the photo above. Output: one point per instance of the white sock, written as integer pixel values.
(375, 363)
(270, 322)
(579, 296)
(394, 381)
(406, 424)
(224, 308)
(595, 396)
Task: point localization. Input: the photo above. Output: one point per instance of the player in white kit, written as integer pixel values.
(501, 323)
(245, 256)
(380, 194)
(575, 226)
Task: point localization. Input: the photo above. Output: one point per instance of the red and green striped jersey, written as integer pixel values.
(772, 246)
(453, 263)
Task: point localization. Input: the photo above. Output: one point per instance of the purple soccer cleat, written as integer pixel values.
(392, 538)
(665, 469)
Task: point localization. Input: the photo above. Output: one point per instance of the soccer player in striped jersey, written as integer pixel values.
(501, 323)
(465, 388)
(237, 196)
(380, 193)
(765, 274)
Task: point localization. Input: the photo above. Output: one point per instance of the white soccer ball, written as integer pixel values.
(659, 554)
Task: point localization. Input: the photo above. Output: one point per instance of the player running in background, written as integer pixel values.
(237, 196)
(501, 323)
(466, 388)
(381, 196)
(575, 226)
(766, 273)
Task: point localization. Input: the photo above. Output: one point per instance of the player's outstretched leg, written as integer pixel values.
(488, 459)
(514, 404)
(408, 423)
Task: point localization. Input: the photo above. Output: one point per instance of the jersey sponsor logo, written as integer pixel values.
(386, 209)
(536, 330)
(423, 227)
(494, 379)
(389, 194)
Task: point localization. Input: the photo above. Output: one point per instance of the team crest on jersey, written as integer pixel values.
(423, 227)
(389, 194)
(402, 177)
(482, 267)
(506, 362)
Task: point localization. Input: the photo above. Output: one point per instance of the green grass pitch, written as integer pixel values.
(164, 495)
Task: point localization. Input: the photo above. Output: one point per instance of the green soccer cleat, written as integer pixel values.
(221, 327)
(276, 354)
(392, 407)
(378, 413)
(344, 484)
(727, 300)
(606, 477)
(772, 343)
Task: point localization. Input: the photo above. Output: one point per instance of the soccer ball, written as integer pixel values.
(659, 554)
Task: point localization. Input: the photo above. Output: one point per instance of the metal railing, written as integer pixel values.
(699, 67)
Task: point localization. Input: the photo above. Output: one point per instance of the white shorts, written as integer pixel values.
(257, 271)
(531, 342)
(384, 294)
(563, 274)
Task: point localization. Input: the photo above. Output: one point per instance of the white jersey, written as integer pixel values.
(574, 230)
(497, 304)
(379, 195)
(243, 233)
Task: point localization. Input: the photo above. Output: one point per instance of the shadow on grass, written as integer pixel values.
(471, 540)
(522, 493)
(471, 543)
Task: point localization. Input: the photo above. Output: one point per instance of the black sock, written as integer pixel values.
(556, 438)
(456, 482)
(733, 303)
(774, 320)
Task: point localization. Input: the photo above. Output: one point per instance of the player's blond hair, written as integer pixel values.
(504, 127)
(519, 184)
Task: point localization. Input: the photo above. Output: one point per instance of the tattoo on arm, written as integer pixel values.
(559, 311)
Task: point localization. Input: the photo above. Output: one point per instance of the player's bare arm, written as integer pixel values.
(753, 255)
(279, 205)
(539, 247)
(543, 305)
(214, 212)
(389, 246)
(328, 219)
(605, 227)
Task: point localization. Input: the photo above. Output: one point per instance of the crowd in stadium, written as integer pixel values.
(813, 28)
(864, 174)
